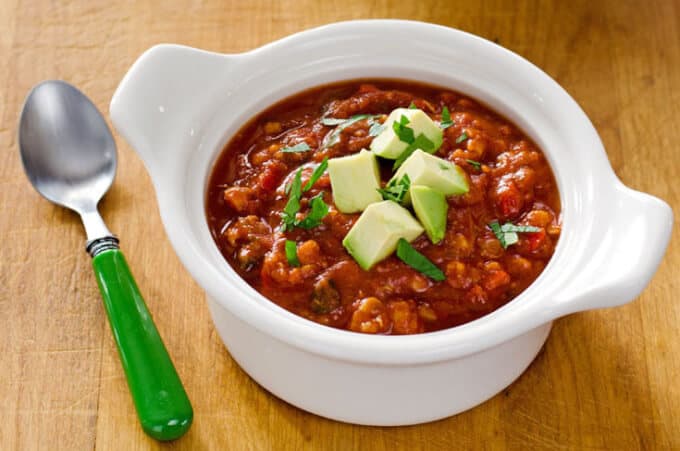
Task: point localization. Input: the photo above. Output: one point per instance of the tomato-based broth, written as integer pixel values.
(472, 226)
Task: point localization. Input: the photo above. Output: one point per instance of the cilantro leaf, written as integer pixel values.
(510, 227)
(295, 186)
(446, 121)
(412, 106)
(461, 138)
(507, 233)
(376, 128)
(299, 147)
(496, 229)
(421, 142)
(294, 190)
(333, 137)
(318, 209)
(396, 190)
(476, 164)
(318, 172)
(404, 133)
(292, 206)
(291, 253)
(510, 238)
(332, 121)
(418, 261)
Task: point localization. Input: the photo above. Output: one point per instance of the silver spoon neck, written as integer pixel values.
(99, 237)
(94, 225)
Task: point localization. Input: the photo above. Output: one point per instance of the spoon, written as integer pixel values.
(69, 156)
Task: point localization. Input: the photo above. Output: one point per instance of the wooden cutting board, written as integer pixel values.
(605, 379)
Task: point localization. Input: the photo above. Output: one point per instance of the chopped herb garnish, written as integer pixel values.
(510, 227)
(294, 190)
(333, 121)
(496, 229)
(421, 142)
(476, 164)
(376, 128)
(412, 106)
(446, 119)
(299, 147)
(333, 137)
(444, 167)
(297, 183)
(461, 138)
(318, 172)
(418, 261)
(396, 189)
(407, 135)
(318, 208)
(404, 133)
(291, 253)
(507, 233)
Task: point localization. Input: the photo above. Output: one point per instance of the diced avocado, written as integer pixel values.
(388, 145)
(375, 235)
(430, 206)
(355, 180)
(437, 173)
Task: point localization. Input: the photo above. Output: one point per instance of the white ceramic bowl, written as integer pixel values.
(179, 106)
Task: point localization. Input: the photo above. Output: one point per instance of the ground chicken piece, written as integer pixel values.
(251, 239)
(241, 199)
(370, 317)
(309, 252)
(458, 275)
(277, 270)
(405, 318)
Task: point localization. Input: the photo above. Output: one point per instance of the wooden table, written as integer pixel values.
(605, 379)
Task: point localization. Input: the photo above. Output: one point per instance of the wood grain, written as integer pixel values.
(605, 379)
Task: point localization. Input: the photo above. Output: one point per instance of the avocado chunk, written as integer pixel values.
(431, 207)
(375, 235)
(437, 173)
(355, 180)
(388, 145)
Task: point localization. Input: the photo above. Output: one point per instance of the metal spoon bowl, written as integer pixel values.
(69, 156)
(68, 151)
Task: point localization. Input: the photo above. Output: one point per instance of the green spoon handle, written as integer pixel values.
(162, 404)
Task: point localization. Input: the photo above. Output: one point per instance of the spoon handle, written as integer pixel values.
(162, 404)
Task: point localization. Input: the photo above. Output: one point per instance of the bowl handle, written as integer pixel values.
(634, 238)
(160, 93)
